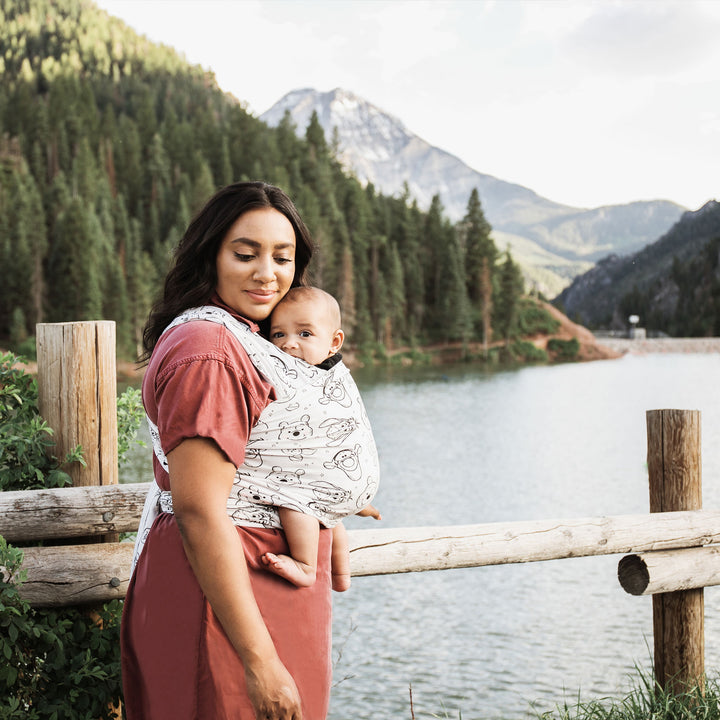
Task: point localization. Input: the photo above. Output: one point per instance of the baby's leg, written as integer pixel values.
(302, 533)
(340, 559)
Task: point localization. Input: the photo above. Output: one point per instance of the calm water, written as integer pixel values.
(459, 446)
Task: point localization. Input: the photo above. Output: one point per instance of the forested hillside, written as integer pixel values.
(109, 144)
(673, 285)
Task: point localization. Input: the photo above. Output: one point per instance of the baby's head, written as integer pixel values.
(306, 324)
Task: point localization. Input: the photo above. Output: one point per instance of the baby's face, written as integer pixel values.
(302, 329)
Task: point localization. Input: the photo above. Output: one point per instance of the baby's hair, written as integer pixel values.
(306, 292)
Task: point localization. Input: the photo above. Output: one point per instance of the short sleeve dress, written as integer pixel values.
(177, 662)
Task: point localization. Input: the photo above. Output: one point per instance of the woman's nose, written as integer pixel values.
(264, 269)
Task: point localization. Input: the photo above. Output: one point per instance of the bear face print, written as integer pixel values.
(279, 478)
(348, 461)
(299, 430)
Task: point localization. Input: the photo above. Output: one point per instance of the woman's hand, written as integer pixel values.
(200, 480)
(272, 692)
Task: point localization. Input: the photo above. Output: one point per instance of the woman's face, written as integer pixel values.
(256, 263)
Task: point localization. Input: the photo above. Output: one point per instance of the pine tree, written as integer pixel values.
(510, 289)
(480, 259)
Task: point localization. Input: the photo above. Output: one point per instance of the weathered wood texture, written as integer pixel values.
(77, 382)
(27, 515)
(670, 571)
(398, 550)
(675, 477)
(76, 574)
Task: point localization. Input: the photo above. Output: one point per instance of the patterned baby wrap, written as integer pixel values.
(312, 449)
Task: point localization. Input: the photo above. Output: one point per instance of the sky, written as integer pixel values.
(586, 102)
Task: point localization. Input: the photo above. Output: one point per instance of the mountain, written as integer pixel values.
(553, 242)
(673, 284)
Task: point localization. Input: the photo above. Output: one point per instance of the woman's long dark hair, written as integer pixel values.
(193, 277)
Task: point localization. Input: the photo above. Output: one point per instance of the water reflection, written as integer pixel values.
(460, 446)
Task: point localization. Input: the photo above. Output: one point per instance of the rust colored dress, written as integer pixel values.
(177, 662)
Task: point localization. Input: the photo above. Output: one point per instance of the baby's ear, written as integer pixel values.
(337, 341)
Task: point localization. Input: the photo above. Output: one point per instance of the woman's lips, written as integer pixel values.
(261, 296)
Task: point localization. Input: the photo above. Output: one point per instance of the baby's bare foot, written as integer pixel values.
(290, 569)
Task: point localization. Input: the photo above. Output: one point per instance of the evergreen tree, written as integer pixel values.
(510, 288)
(75, 293)
(480, 257)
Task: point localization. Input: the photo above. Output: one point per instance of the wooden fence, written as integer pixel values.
(670, 552)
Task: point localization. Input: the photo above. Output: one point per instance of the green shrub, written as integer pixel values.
(564, 349)
(64, 663)
(25, 463)
(525, 350)
(533, 319)
(57, 664)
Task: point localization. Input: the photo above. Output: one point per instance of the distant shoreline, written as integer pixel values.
(661, 345)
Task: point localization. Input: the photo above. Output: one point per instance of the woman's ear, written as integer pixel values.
(337, 341)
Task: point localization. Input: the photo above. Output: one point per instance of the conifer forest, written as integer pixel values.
(109, 144)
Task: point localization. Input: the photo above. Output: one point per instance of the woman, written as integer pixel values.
(207, 632)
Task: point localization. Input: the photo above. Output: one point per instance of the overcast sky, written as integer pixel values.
(586, 102)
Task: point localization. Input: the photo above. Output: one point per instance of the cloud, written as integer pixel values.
(646, 39)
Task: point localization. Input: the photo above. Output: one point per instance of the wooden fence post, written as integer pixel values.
(675, 476)
(77, 396)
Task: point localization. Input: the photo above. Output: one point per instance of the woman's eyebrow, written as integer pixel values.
(256, 244)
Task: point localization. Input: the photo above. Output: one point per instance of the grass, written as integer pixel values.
(646, 701)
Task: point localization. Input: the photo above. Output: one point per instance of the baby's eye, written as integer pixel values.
(305, 333)
(277, 335)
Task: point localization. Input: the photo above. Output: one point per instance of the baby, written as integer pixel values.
(306, 325)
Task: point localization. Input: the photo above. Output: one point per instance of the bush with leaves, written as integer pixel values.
(59, 663)
(564, 349)
(25, 463)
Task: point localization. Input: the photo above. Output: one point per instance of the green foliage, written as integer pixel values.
(509, 291)
(130, 414)
(523, 350)
(646, 701)
(25, 438)
(693, 286)
(56, 664)
(533, 319)
(108, 144)
(564, 350)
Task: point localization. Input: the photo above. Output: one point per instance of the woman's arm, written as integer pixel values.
(200, 479)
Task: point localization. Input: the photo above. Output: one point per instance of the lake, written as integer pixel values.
(459, 445)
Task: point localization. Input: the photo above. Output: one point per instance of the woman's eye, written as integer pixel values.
(243, 258)
(283, 260)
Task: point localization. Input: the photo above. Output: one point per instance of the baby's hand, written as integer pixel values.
(370, 511)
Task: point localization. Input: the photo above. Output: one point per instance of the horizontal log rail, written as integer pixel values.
(28, 515)
(76, 574)
(670, 570)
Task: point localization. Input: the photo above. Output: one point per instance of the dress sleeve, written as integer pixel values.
(206, 386)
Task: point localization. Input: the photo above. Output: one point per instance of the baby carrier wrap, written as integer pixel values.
(312, 449)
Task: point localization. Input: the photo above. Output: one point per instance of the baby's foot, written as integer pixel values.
(292, 570)
(340, 582)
